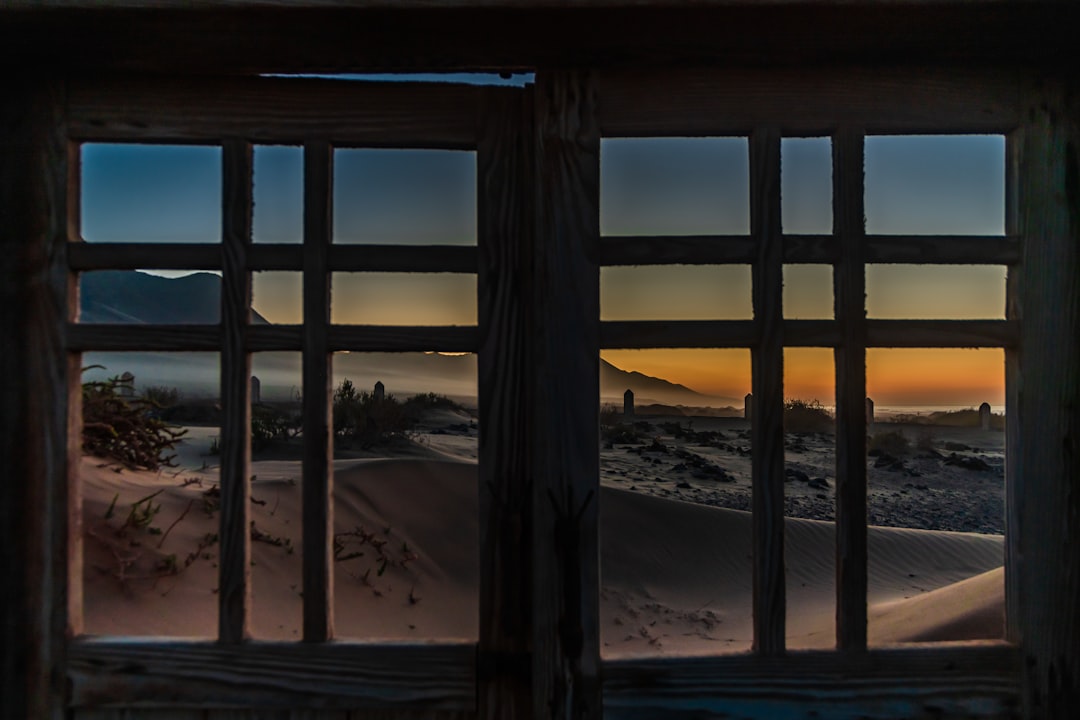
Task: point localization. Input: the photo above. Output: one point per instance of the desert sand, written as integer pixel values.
(676, 568)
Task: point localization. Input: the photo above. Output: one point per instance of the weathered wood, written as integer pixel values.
(941, 333)
(811, 249)
(162, 674)
(261, 257)
(635, 103)
(736, 249)
(677, 334)
(85, 337)
(565, 328)
(767, 428)
(74, 582)
(264, 109)
(34, 443)
(234, 569)
(1014, 479)
(240, 40)
(506, 209)
(1047, 549)
(943, 249)
(84, 256)
(678, 250)
(849, 294)
(965, 681)
(403, 258)
(318, 512)
(157, 714)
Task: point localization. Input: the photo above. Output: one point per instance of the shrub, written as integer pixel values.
(806, 416)
(161, 395)
(365, 420)
(892, 442)
(126, 429)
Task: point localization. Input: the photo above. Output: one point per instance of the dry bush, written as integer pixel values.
(892, 442)
(806, 416)
(126, 429)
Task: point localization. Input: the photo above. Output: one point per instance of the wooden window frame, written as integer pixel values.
(542, 241)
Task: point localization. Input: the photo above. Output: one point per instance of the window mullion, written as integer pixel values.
(234, 595)
(317, 462)
(767, 429)
(849, 293)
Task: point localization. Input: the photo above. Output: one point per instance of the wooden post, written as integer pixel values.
(505, 169)
(34, 369)
(1014, 480)
(767, 426)
(566, 383)
(234, 595)
(318, 490)
(849, 293)
(1046, 554)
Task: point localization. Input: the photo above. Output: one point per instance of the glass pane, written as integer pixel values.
(935, 184)
(674, 186)
(675, 528)
(810, 497)
(405, 496)
(131, 296)
(278, 194)
(403, 299)
(277, 447)
(806, 186)
(808, 292)
(676, 292)
(946, 292)
(150, 193)
(405, 197)
(150, 500)
(936, 494)
(277, 297)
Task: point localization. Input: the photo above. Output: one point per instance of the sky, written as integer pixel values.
(671, 186)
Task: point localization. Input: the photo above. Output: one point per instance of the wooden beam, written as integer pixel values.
(84, 256)
(137, 337)
(1046, 554)
(1014, 479)
(941, 333)
(432, 37)
(318, 517)
(162, 674)
(849, 294)
(767, 428)
(943, 249)
(958, 681)
(234, 569)
(677, 334)
(506, 209)
(403, 258)
(275, 110)
(678, 250)
(35, 447)
(721, 249)
(807, 101)
(565, 329)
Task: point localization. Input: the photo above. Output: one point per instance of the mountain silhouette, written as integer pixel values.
(130, 296)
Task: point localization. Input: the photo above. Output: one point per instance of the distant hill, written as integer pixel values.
(130, 296)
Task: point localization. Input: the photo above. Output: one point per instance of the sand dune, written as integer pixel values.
(676, 576)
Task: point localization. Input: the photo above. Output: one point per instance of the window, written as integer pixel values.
(539, 334)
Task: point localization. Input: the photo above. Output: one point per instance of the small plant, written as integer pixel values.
(891, 442)
(124, 428)
(806, 416)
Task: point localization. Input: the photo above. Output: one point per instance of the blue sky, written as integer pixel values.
(676, 186)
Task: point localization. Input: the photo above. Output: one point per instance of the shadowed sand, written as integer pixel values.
(676, 575)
